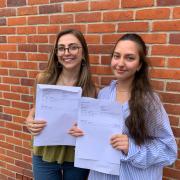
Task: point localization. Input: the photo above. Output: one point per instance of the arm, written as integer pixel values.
(35, 127)
(160, 150)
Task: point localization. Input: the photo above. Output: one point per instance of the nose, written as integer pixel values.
(66, 50)
(121, 61)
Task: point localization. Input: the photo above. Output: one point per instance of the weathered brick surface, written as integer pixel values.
(28, 30)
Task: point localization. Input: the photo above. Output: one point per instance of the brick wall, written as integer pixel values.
(27, 32)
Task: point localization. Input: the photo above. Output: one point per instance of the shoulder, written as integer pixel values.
(41, 78)
(107, 90)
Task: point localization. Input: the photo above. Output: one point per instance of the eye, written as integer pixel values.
(73, 47)
(115, 56)
(130, 58)
(61, 48)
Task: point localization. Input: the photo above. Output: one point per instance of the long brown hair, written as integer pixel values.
(54, 68)
(141, 92)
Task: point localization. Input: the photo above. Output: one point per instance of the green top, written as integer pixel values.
(59, 154)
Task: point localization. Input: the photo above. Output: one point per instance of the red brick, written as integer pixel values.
(26, 30)
(16, 39)
(17, 56)
(12, 3)
(3, 3)
(158, 85)
(97, 49)
(174, 39)
(3, 55)
(7, 30)
(38, 20)
(37, 57)
(23, 136)
(117, 15)
(75, 6)
(110, 38)
(157, 61)
(176, 13)
(48, 29)
(14, 168)
(174, 62)
(6, 12)
(46, 9)
(20, 89)
(101, 70)
(6, 146)
(92, 39)
(19, 120)
(10, 95)
(56, 19)
(88, 17)
(35, 2)
(38, 39)
(12, 111)
(170, 98)
(165, 74)
(27, 10)
(4, 87)
(18, 73)
(27, 65)
(172, 109)
(23, 164)
(80, 27)
(27, 82)
(4, 102)
(136, 3)
(27, 47)
(2, 21)
(11, 80)
(166, 26)
(27, 98)
(106, 60)
(174, 121)
(106, 80)
(133, 27)
(20, 105)
(161, 13)
(12, 140)
(8, 173)
(16, 21)
(104, 4)
(103, 28)
(94, 59)
(167, 2)
(45, 48)
(168, 50)
(173, 86)
(8, 47)
(8, 64)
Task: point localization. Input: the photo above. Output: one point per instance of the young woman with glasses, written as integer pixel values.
(68, 65)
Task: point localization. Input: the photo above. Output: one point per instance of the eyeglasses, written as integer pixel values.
(73, 49)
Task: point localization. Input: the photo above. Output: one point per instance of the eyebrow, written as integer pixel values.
(69, 44)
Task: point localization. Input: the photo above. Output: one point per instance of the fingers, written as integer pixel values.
(75, 131)
(35, 127)
(120, 142)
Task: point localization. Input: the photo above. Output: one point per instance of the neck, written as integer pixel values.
(124, 86)
(68, 78)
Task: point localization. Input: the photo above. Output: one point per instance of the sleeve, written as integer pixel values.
(160, 149)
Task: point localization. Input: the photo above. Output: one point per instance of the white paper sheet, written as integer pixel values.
(99, 119)
(59, 106)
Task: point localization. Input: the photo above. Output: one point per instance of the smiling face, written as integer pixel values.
(69, 52)
(125, 60)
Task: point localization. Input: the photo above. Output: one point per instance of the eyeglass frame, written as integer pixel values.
(68, 49)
